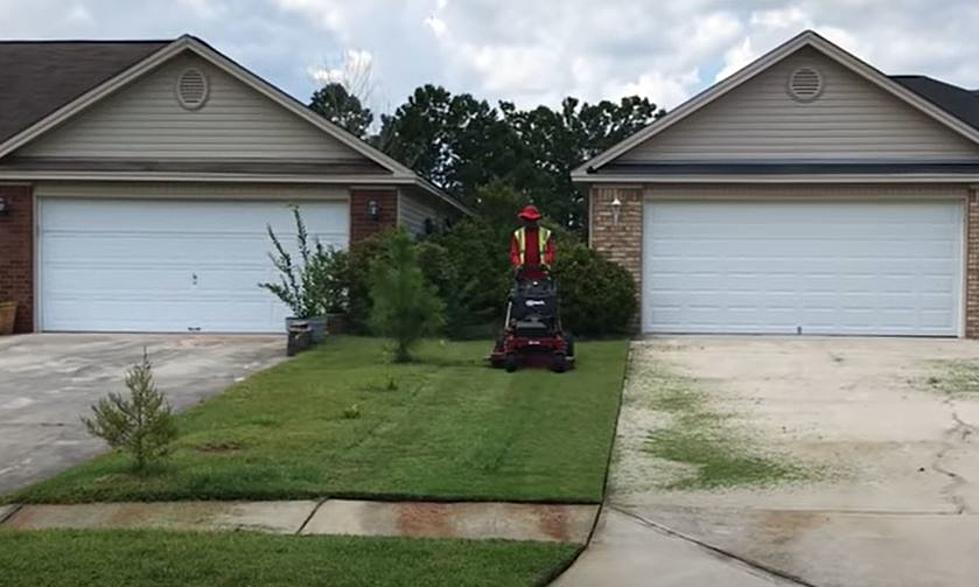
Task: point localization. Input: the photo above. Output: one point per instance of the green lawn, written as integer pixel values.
(161, 558)
(342, 421)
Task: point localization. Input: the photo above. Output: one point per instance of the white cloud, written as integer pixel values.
(737, 57)
(665, 90)
(79, 14)
(205, 9)
(526, 51)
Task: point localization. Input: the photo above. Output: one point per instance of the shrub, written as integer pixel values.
(598, 297)
(404, 306)
(440, 272)
(362, 255)
(317, 287)
(141, 424)
(470, 268)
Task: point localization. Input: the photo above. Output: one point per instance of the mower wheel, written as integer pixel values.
(569, 341)
(559, 364)
(510, 364)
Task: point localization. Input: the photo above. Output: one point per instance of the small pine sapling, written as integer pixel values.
(405, 306)
(141, 423)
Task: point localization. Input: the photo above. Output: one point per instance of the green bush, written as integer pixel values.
(315, 287)
(359, 259)
(598, 297)
(470, 268)
(405, 307)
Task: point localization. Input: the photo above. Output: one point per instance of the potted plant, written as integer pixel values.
(8, 312)
(314, 288)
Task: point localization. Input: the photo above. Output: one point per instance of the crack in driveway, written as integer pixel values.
(953, 439)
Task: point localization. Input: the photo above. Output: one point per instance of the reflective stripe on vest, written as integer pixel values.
(543, 235)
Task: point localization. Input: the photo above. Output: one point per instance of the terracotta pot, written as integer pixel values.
(8, 312)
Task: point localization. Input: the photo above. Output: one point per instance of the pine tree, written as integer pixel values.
(405, 307)
(141, 424)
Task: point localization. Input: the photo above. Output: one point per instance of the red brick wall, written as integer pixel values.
(361, 224)
(621, 242)
(17, 253)
(972, 266)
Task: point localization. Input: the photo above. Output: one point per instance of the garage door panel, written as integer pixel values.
(85, 280)
(832, 267)
(169, 266)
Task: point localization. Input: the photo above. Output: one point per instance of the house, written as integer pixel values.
(137, 179)
(807, 193)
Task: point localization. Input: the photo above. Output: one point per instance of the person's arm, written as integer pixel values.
(514, 252)
(549, 252)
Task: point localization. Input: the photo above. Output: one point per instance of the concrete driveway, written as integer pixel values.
(48, 380)
(891, 496)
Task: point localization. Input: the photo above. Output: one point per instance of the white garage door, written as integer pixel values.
(867, 267)
(168, 266)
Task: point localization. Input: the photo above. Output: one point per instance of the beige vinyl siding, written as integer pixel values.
(145, 121)
(413, 210)
(188, 191)
(851, 119)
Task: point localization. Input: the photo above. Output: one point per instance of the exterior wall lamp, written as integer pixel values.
(4, 206)
(616, 209)
(374, 210)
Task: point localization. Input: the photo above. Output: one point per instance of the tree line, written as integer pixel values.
(464, 144)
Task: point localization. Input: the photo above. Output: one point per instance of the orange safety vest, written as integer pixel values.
(543, 235)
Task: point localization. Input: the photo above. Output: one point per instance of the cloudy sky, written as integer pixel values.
(527, 51)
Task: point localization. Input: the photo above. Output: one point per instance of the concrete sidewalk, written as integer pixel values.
(510, 521)
(628, 553)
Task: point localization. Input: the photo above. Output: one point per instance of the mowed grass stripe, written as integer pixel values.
(342, 421)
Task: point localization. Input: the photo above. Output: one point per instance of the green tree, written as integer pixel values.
(404, 306)
(342, 108)
(560, 140)
(458, 142)
(463, 144)
(141, 423)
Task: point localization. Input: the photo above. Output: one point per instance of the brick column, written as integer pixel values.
(972, 265)
(361, 223)
(621, 242)
(17, 253)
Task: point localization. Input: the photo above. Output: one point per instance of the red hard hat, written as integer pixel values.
(530, 213)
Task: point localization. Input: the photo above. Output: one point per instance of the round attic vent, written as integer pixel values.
(192, 89)
(805, 84)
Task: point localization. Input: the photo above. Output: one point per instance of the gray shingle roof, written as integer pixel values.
(38, 77)
(959, 102)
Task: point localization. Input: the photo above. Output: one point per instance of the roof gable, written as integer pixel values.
(806, 40)
(202, 50)
(144, 120)
(850, 120)
(39, 77)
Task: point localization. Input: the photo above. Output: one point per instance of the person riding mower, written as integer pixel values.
(532, 333)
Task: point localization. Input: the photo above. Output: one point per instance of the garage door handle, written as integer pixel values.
(194, 276)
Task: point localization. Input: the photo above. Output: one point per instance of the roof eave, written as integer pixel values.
(633, 179)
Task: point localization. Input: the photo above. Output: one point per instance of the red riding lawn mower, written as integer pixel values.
(532, 334)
